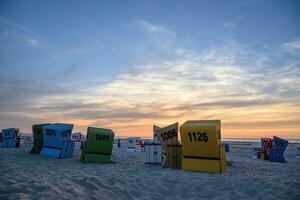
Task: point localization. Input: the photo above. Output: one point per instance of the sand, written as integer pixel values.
(27, 176)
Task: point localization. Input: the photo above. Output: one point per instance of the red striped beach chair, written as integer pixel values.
(266, 144)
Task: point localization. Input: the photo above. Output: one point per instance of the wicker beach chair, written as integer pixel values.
(37, 131)
(266, 144)
(98, 145)
(57, 141)
(171, 151)
(10, 138)
(278, 149)
(201, 146)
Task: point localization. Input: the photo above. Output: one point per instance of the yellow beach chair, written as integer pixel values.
(201, 146)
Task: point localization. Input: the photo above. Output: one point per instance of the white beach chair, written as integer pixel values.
(132, 144)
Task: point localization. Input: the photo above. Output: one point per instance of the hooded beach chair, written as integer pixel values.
(297, 147)
(171, 150)
(277, 150)
(76, 138)
(10, 138)
(201, 146)
(98, 145)
(57, 141)
(133, 144)
(266, 144)
(153, 149)
(155, 134)
(37, 131)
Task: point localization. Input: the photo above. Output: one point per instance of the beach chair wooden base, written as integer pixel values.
(36, 149)
(54, 153)
(99, 158)
(205, 165)
(173, 156)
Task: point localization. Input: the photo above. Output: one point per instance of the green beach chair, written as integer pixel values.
(98, 145)
(37, 131)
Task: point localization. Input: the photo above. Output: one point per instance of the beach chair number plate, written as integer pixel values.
(50, 132)
(66, 133)
(198, 137)
(102, 137)
(168, 135)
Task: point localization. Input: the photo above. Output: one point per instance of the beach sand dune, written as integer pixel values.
(28, 176)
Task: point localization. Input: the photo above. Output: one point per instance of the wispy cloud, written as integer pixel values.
(216, 83)
(18, 32)
(292, 47)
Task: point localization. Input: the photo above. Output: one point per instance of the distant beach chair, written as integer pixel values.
(133, 144)
(153, 153)
(277, 150)
(76, 138)
(57, 142)
(171, 151)
(255, 146)
(10, 138)
(297, 146)
(155, 134)
(37, 131)
(98, 145)
(266, 144)
(117, 143)
(201, 146)
(226, 147)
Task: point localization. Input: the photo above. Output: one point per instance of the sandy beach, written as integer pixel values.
(28, 176)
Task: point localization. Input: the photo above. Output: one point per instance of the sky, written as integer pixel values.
(127, 65)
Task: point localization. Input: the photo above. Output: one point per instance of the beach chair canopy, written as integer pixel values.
(98, 145)
(133, 144)
(168, 134)
(155, 133)
(37, 131)
(201, 138)
(279, 143)
(10, 137)
(133, 140)
(76, 136)
(8, 133)
(278, 149)
(266, 145)
(201, 146)
(57, 140)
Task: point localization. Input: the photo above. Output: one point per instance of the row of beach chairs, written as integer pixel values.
(272, 149)
(200, 149)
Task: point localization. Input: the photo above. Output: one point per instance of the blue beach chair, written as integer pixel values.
(277, 150)
(10, 138)
(57, 141)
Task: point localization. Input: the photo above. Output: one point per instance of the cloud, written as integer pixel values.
(157, 29)
(227, 82)
(16, 32)
(292, 47)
